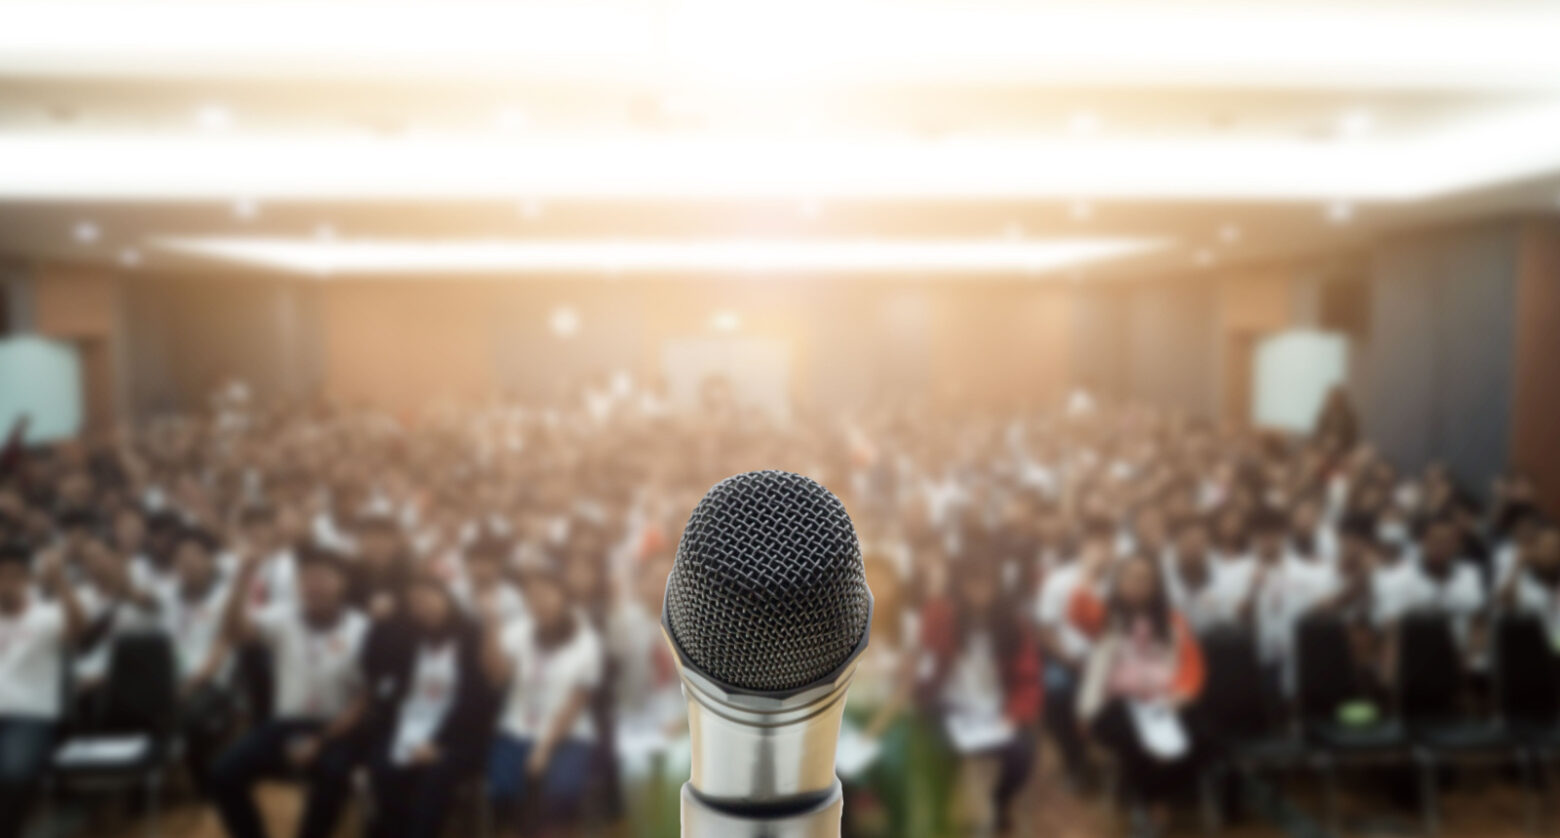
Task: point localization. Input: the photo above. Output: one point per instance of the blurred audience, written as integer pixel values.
(468, 597)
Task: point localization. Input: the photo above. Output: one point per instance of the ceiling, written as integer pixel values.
(1025, 140)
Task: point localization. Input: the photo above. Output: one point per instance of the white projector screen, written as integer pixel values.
(1292, 373)
(42, 379)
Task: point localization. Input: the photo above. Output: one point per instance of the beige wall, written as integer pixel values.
(1251, 305)
(405, 343)
(402, 343)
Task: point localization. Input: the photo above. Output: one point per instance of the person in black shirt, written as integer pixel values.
(433, 708)
(382, 569)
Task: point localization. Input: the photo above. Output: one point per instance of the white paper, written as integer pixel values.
(99, 750)
(975, 733)
(1159, 729)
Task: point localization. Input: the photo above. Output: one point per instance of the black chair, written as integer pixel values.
(1243, 722)
(1247, 733)
(1527, 687)
(1432, 684)
(131, 731)
(1527, 680)
(1327, 677)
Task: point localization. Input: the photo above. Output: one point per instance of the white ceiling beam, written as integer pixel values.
(1400, 45)
(416, 258)
(1488, 148)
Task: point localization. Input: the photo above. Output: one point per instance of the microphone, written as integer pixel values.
(766, 610)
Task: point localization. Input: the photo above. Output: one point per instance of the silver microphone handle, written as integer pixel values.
(700, 820)
(755, 750)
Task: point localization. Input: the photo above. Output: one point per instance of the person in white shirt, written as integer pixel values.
(1394, 556)
(1525, 525)
(129, 536)
(264, 529)
(554, 662)
(480, 584)
(153, 570)
(1359, 567)
(1066, 647)
(191, 614)
(1533, 586)
(111, 606)
(1284, 588)
(1355, 603)
(1204, 588)
(1439, 583)
(986, 695)
(646, 692)
(318, 696)
(1312, 534)
(35, 636)
(76, 526)
(1151, 533)
(276, 582)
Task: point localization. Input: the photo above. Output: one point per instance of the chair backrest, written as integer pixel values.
(71, 717)
(141, 691)
(1325, 674)
(1430, 677)
(1233, 703)
(256, 670)
(1527, 671)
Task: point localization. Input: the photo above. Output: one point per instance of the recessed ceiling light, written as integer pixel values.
(245, 209)
(1082, 210)
(725, 321)
(511, 119)
(213, 117)
(129, 257)
(85, 232)
(564, 321)
(1355, 123)
(1340, 212)
(1083, 124)
(679, 103)
(1229, 233)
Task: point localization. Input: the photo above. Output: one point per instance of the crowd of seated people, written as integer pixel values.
(468, 597)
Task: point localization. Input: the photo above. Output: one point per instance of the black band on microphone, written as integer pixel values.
(769, 809)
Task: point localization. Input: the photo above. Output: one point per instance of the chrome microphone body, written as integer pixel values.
(762, 765)
(766, 611)
(702, 820)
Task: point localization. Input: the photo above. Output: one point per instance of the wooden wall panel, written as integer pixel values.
(402, 344)
(1535, 414)
(75, 302)
(82, 306)
(1250, 307)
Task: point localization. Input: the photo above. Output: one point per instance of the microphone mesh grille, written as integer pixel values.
(768, 592)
